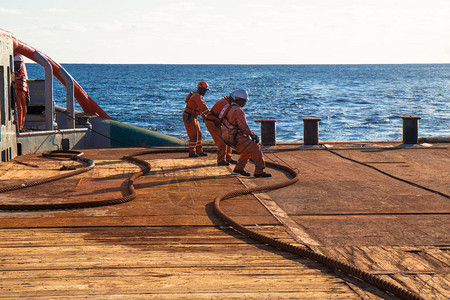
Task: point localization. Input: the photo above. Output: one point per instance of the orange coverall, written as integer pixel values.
(235, 133)
(214, 123)
(22, 94)
(195, 106)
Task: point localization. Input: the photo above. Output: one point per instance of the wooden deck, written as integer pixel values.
(167, 243)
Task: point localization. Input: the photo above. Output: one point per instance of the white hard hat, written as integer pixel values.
(239, 94)
(18, 58)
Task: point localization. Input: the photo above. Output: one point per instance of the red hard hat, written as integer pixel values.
(202, 84)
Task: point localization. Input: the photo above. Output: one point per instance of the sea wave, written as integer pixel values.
(355, 102)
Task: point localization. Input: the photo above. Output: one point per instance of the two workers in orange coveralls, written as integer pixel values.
(228, 127)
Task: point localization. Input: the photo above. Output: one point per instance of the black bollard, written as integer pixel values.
(267, 132)
(311, 131)
(410, 129)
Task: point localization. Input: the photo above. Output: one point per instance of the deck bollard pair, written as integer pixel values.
(310, 131)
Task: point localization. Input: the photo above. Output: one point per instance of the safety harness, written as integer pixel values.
(192, 110)
(230, 135)
(221, 115)
(190, 113)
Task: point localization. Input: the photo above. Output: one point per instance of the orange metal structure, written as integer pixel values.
(87, 104)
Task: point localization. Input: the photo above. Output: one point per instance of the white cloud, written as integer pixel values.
(61, 27)
(56, 10)
(7, 11)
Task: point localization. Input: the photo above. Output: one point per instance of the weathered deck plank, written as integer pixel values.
(92, 261)
(167, 243)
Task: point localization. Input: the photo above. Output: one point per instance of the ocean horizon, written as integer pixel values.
(356, 102)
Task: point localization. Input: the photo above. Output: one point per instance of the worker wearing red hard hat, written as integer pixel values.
(237, 134)
(195, 106)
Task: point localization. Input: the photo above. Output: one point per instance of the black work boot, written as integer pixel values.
(223, 163)
(242, 172)
(263, 174)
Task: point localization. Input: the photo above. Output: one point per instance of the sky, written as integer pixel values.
(233, 31)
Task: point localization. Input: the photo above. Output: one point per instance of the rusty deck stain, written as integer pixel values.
(167, 243)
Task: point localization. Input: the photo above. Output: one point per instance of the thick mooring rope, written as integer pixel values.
(88, 165)
(304, 252)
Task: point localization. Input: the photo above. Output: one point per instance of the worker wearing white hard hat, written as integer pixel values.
(237, 134)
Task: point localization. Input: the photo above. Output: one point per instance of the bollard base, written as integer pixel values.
(267, 132)
(410, 129)
(311, 131)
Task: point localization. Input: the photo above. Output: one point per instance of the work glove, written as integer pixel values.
(254, 137)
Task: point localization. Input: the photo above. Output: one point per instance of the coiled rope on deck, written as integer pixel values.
(304, 252)
(88, 165)
(73, 155)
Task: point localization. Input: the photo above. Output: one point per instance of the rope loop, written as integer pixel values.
(88, 165)
(307, 253)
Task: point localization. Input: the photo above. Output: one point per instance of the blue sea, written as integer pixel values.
(355, 102)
